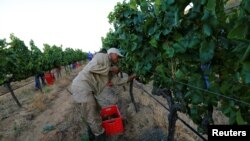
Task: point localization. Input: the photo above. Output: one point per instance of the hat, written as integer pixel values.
(115, 50)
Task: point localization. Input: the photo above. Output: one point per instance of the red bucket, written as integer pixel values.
(78, 65)
(49, 78)
(111, 120)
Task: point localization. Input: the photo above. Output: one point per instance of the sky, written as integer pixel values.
(77, 24)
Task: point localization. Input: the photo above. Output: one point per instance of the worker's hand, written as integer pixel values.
(109, 84)
(115, 69)
(131, 77)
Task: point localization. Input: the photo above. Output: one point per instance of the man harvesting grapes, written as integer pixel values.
(91, 81)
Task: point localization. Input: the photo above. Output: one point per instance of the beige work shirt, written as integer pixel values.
(93, 79)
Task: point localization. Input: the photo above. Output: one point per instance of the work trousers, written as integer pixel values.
(90, 112)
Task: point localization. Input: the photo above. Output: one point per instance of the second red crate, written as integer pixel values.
(112, 120)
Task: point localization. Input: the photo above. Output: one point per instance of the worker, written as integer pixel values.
(90, 82)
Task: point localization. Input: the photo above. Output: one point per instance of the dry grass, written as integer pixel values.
(39, 102)
(72, 128)
(20, 124)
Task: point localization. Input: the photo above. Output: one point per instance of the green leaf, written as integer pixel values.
(194, 111)
(132, 4)
(188, 94)
(207, 51)
(196, 80)
(232, 117)
(179, 74)
(203, 2)
(211, 4)
(225, 87)
(176, 17)
(246, 5)
(169, 51)
(153, 42)
(246, 54)
(239, 118)
(170, 2)
(160, 69)
(166, 31)
(195, 114)
(126, 14)
(196, 98)
(152, 30)
(227, 110)
(122, 36)
(246, 72)
(157, 36)
(239, 31)
(194, 41)
(158, 2)
(179, 48)
(144, 6)
(205, 15)
(133, 47)
(177, 36)
(148, 67)
(137, 66)
(207, 30)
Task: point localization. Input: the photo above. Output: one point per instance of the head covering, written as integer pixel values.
(115, 50)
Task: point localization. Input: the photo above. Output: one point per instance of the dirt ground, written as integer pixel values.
(51, 116)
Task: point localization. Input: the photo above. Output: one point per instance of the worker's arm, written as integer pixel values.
(122, 81)
(99, 65)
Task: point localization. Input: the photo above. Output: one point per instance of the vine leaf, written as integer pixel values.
(239, 118)
(211, 4)
(193, 42)
(239, 31)
(196, 98)
(132, 4)
(170, 2)
(153, 42)
(207, 30)
(169, 51)
(207, 51)
(160, 70)
(179, 74)
(246, 72)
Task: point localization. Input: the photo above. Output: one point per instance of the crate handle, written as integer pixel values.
(111, 121)
(108, 109)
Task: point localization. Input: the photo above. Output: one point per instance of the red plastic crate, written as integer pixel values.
(113, 125)
(49, 78)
